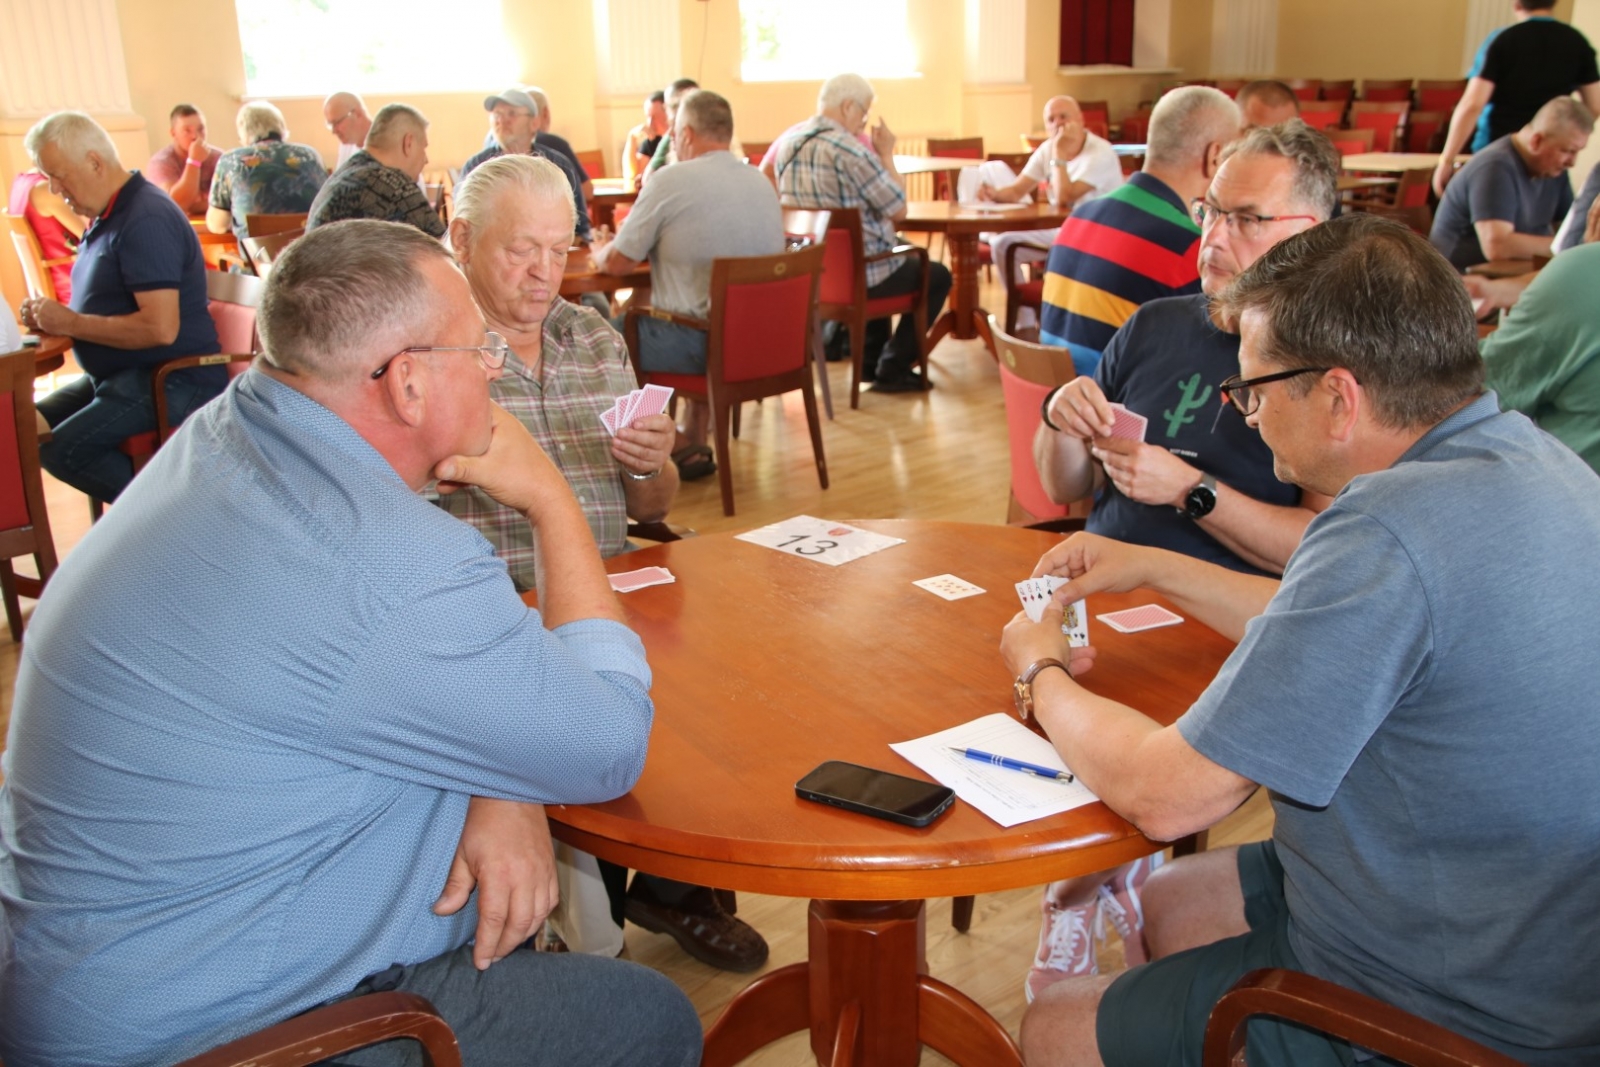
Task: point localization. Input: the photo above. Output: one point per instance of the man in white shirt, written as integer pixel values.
(346, 115)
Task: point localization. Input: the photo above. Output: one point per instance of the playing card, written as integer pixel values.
(626, 407)
(948, 586)
(1035, 594)
(608, 419)
(1132, 620)
(1075, 624)
(1128, 425)
(628, 581)
(653, 400)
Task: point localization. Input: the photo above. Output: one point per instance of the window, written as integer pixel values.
(781, 40)
(315, 47)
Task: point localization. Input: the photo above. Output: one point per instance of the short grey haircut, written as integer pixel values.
(346, 297)
(476, 195)
(74, 134)
(1562, 114)
(1316, 162)
(1185, 121)
(393, 122)
(258, 119)
(845, 87)
(707, 114)
(539, 98)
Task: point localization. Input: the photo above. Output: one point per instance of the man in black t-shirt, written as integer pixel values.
(1526, 65)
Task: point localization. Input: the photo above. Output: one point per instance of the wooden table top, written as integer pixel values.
(944, 216)
(1346, 183)
(615, 190)
(50, 353)
(766, 664)
(931, 164)
(581, 277)
(1395, 161)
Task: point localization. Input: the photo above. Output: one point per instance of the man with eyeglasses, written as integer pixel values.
(325, 776)
(1201, 482)
(1416, 694)
(514, 121)
(346, 118)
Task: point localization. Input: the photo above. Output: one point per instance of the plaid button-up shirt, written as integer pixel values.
(821, 166)
(585, 368)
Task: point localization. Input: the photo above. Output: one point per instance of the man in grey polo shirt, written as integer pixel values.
(1508, 200)
(685, 217)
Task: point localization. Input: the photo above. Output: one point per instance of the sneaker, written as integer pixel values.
(1067, 938)
(1119, 899)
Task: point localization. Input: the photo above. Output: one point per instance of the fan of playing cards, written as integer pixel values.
(651, 400)
(1035, 595)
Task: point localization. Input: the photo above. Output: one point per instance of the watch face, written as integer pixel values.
(1200, 501)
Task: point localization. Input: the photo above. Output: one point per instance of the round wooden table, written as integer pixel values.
(765, 665)
(964, 318)
(50, 354)
(580, 276)
(610, 194)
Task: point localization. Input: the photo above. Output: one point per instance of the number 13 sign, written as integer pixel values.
(827, 542)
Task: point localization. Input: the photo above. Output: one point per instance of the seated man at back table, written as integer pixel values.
(1073, 165)
(1428, 737)
(270, 175)
(1266, 103)
(685, 218)
(824, 166)
(138, 300)
(380, 181)
(346, 117)
(1137, 243)
(1508, 200)
(350, 719)
(565, 366)
(514, 120)
(185, 166)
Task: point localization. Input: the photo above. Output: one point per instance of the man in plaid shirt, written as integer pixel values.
(824, 165)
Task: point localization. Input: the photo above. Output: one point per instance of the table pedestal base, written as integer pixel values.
(864, 995)
(964, 319)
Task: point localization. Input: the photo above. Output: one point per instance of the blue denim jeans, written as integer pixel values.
(89, 419)
(668, 348)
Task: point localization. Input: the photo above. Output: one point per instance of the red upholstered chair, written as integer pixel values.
(1028, 371)
(952, 148)
(1096, 117)
(593, 162)
(1306, 88)
(843, 294)
(758, 344)
(24, 523)
(1136, 127)
(1339, 1012)
(1425, 130)
(1350, 142)
(1440, 95)
(1028, 293)
(1322, 116)
(803, 228)
(335, 1029)
(1373, 89)
(1341, 91)
(1384, 118)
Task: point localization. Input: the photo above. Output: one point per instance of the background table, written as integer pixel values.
(1395, 161)
(765, 665)
(609, 194)
(50, 353)
(581, 276)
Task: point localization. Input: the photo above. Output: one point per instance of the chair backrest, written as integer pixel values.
(1425, 130)
(1305, 88)
(263, 250)
(267, 225)
(24, 522)
(1030, 141)
(844, 269)
(1413, 188)
(761, 319)
(755, 151)
(593, 162)
(1015, 160)
(956, 148)
(1440, 95)
(31, 255)
(1096, 116)
(1373, 89)
(803, 227)
(1349, 142)
(1319, 117)
(1383, 118)
(1338, 90)
(232, 301)
(220, 250)
(1027, 372)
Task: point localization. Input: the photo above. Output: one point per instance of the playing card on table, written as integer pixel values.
(1128, 425)
(948, 586)
(1035, 594)
(628, 581)
(1132, 620)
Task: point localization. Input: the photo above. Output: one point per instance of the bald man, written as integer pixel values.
(346, 116)
(380, 181)
(1267, 103)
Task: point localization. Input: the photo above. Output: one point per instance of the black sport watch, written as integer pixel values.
(1201, 499)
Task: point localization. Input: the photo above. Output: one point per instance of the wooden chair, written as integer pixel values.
(1305, 88)
(1339, 1012)
(1322, 117)
(755, 151)
(1030, 141)
(1384, 118)
(1136, 127)
(220, 250)
(24, 522)
(1096, 117)
(266, 225)
(263, 251)
(843, 293)
(1015, 160)
(35, 268)
(1341, 91)
(1029, 370)
(1028, 293)
(1440, 95)
(956, 148)
(593, 162)
(1350, 142)
(1408, 203)
(803, 228)
(337, 1028)
(1373, 89)
(758, 344)
(1425, 130)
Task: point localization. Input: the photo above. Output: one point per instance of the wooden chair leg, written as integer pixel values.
(961, 913)
(720, 416)
(8, 590)
(819, 363)
(858, 344)
(737, 409)
(814, 424)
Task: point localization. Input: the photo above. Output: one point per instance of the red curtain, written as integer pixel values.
(1096, 31)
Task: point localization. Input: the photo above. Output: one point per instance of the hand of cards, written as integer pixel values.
(651, 400)
(1035, 596)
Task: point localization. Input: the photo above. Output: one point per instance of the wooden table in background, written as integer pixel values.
(1395, 162)
(610, 194)
(932, 164)
(580, 277)
(1348, 183)
(961, 225)
(765, 665)
(50, 354)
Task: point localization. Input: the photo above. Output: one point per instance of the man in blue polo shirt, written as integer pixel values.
(138, 299)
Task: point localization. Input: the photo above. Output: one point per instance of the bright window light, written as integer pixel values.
(782, 40)
(316, 47)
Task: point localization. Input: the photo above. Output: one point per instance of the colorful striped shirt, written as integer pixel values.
(1134, 244)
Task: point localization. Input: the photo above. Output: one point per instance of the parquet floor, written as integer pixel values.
(940, 455)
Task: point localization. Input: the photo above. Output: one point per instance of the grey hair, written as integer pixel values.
(259, 118)
(708, 114)
(1316, 162)
(393, 122)
(476, 195)
(845, 87)
(1564, 115)
(538, 98)
(1187, 120)
(347, 296)
(74, 133)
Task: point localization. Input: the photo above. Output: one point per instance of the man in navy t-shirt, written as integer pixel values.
(138, 300)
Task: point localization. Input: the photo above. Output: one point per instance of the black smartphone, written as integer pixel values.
(871, 792)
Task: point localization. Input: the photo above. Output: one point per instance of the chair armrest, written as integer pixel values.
(897, 251)
(158, 384)
(338, 1028)
(1009, 267)
(1341, 1012)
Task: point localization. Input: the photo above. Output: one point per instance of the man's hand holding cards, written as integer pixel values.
(651, 400)
(1035, 594)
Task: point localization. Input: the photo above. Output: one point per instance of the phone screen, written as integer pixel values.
(873, 792)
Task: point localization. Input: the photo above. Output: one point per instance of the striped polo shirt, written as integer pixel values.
(1132, 245)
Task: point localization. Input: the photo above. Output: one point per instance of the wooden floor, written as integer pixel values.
(939, 455)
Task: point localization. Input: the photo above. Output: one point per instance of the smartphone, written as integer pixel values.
(895, 797)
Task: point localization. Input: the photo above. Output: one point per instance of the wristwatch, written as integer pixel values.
(1022, 688)
(1201, 499)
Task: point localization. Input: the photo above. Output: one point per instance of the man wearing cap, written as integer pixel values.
(514, 116)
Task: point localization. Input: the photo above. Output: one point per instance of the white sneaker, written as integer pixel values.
(1067, 939)
(1120, 902)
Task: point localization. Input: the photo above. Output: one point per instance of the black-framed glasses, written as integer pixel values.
(492, 354)
(1246, 224)
(1242, 393)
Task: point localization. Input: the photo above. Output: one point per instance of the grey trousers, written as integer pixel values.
(538, 1008)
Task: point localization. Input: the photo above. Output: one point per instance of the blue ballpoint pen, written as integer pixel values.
(1010, 764)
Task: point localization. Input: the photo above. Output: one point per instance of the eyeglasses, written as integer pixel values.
(1242, 394)
(1244, 223)
(336, 123)
(492, 354)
